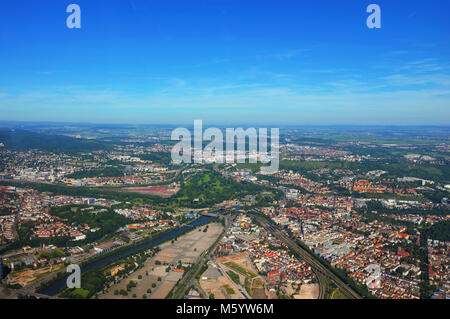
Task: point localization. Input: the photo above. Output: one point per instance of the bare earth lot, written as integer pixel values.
(213, 281)
(309, 291)
(186, 249)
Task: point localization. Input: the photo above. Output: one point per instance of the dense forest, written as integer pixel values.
(24, 140)
(104, 172)
(156, 157)
(439, 231)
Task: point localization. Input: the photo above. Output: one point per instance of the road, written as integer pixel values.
(201, 260)
(239, 287)
(316, 265)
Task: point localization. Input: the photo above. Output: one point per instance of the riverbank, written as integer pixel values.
(56, 285)
(165, 265)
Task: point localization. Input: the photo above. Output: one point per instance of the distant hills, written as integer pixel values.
(25, 140)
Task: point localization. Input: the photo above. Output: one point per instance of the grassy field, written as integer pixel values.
(337, 294)
(229, 290)
(240, 269)
(234, 277)
(209, 188)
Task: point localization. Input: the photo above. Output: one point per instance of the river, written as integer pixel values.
(58, 285)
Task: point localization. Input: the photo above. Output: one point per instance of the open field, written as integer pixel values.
(239, 266)
(337, 294)
(186, 249)
(240, 269)
(26, 277)
(214, 282)
(308, 291)
(161, 191)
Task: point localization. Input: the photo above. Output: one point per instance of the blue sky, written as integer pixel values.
(226, 62)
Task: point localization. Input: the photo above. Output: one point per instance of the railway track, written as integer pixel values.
(319, 268)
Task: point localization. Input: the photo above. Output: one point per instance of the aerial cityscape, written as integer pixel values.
(220, 150)
(360, 218)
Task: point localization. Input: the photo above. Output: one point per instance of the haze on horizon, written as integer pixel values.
(225, 62)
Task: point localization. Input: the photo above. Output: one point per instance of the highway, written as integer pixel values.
(316, 265)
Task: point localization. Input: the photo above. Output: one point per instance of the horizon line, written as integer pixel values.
(222, 124)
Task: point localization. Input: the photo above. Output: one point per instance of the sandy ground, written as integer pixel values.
(26, 277)
(187, 249)
(242, 259)
(308, 291)
(213, 282)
